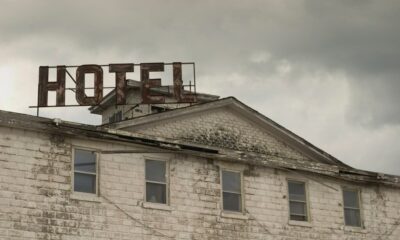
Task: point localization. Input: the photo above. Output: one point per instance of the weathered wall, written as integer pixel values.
(133, 97)
(220, 128)
(36, 200)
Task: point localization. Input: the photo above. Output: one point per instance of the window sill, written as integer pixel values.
(355, 229)
(235, 215)
(89, 197)
(300, 223)
(158, 206)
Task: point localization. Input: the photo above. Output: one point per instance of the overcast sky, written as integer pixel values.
(327, 70)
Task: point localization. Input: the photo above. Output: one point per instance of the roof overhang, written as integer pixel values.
(94, 133)
(232, 103)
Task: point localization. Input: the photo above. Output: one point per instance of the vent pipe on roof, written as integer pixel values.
(57, 121)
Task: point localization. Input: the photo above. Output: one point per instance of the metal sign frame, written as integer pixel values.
(120, 87)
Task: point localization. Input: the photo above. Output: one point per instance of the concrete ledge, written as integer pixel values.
(158, 206)
(235, 215)
(300, 223)
(350, 229)
(89, 197)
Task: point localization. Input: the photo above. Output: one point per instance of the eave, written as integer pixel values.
(232, 103)
(57, 126)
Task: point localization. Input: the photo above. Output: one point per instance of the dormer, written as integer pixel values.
(133, 108)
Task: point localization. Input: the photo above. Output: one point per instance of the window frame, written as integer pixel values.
(167, 176)
(242, 205)
(74, 148)
(115, 117)
(307, 201)
(358, 190)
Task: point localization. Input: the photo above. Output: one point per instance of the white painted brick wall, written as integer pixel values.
(36, 203)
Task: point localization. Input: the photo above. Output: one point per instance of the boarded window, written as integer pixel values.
(85, 171)
(156, 181)
(232, 191)
(297, 201)
(351, 202)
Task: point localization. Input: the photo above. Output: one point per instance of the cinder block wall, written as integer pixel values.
(36, 201)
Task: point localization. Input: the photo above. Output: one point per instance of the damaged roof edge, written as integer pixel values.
(284, 133)
(294, 136)
(57, 126)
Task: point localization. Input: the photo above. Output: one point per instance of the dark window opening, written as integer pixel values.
(232, 191)
(157, 109)
(351, 203)
(116, 117)
(156, 181)
(85, 170)
(297, 201)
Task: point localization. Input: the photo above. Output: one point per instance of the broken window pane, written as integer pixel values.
(231, 189)
(351, 202)
(297, 201)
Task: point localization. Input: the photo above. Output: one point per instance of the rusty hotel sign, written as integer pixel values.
(120, 70)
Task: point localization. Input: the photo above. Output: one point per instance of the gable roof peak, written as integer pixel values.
(233, 104)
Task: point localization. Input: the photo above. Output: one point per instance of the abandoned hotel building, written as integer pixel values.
(216, 169)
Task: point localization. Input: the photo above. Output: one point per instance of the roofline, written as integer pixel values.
(279, 129)
(57, 126)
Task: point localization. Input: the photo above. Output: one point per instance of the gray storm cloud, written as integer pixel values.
(329, 70)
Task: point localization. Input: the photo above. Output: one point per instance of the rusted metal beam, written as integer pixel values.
(134, 64)
(45, 86)
(148, 83)
(120, 71)
(178, 85)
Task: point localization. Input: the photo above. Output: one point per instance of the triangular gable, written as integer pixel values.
(228, 123)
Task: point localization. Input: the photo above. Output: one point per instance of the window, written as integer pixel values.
(156, 181)
(158, 109)
(118, 116)
(85, 169)
(297, 201)
(232, 191)
(351, 203)
(115, 117)
(111, 119)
